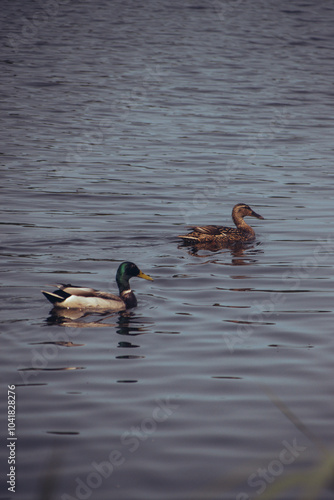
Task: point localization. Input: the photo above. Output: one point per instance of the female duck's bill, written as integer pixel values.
(228, 235)
(83, 298)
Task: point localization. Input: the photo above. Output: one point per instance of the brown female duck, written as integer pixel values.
(228, 235)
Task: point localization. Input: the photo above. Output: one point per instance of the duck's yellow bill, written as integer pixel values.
(145, 276)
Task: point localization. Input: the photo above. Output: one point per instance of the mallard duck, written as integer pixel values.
(76, 297)
(242, 233)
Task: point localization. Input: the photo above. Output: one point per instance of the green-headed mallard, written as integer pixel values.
(88, 299)
(242, 233)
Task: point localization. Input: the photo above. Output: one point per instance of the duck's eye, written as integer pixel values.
(134, 270)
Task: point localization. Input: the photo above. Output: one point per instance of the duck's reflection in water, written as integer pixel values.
(125, 322)
(76, 318)
(129, 323)
(242, 253)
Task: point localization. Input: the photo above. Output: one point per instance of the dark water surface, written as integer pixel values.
(122, 123)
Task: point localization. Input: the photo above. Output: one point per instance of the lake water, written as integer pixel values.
(123, 123)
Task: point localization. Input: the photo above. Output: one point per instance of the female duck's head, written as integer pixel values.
(241, 210)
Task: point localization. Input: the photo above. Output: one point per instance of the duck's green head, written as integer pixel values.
(128, 270)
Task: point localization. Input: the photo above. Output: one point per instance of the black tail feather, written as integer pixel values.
(57, 296)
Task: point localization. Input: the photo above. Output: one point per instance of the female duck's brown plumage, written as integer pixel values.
(242, 233)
